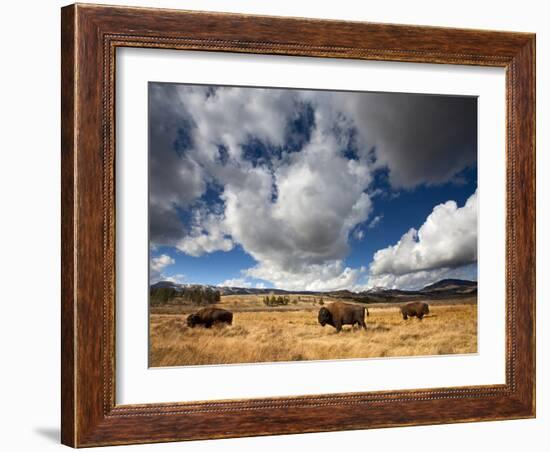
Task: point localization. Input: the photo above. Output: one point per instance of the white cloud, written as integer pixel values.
(207, 235)
(178, 278)
(447, 240)
(326, 276)
(157, 265)
(190, 125)
(419, 279)
(160, 262)
(415, 280)
(319, 201)
(296, 211)
(236, 282)
(374, 222)
(293, 212)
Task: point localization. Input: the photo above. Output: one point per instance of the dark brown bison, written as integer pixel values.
(338, 314)
(209, 316)
(416, 309)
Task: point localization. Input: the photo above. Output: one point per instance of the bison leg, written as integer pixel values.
(363, 324)
(208, 324)
(405, 317)
(338, 327)
(420, 316)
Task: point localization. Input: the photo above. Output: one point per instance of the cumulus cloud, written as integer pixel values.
(287, 174)
(287, 209)
(206, 235)
(160, 262)
(319, 200)
(447, 240)
(199, 136)
(327, 276)
(157, 266)
(236, 282)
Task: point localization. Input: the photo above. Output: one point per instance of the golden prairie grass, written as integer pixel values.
(293, 334)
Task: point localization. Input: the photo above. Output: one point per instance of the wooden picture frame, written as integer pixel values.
(90, 36)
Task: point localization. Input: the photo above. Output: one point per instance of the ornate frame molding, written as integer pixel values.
(90, 37)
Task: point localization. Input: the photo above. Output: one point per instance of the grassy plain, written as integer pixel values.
(292, 333)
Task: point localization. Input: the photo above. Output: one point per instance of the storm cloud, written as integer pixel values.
(421, 139)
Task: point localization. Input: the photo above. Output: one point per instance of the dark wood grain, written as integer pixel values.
(90, 36)
(67, 224)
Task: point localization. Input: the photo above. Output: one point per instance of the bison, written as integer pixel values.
(338, 314)
(209, 316)
(416, 309)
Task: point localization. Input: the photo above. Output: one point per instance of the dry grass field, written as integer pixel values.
(292, 333)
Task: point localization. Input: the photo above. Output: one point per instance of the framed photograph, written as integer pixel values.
(281, 225)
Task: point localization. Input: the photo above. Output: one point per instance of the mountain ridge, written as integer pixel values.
(449, 283)
(445, 288)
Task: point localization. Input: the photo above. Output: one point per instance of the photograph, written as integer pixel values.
(292, 224)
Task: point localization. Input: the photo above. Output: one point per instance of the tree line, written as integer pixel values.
(196, 295)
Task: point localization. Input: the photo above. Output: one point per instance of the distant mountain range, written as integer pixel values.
(446, 288)
(448, 284)
(223, 290)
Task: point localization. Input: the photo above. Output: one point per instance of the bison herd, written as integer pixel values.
(335, 314)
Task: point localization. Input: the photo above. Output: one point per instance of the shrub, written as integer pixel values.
(276, 301)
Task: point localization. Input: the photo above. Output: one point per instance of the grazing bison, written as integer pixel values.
(338, 314)
(416, 309)
(209, 316)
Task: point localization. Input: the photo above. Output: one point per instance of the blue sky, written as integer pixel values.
(311, 190)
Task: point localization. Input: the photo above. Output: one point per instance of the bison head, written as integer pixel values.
(324, 316)
(192, 320)
(425, 309)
